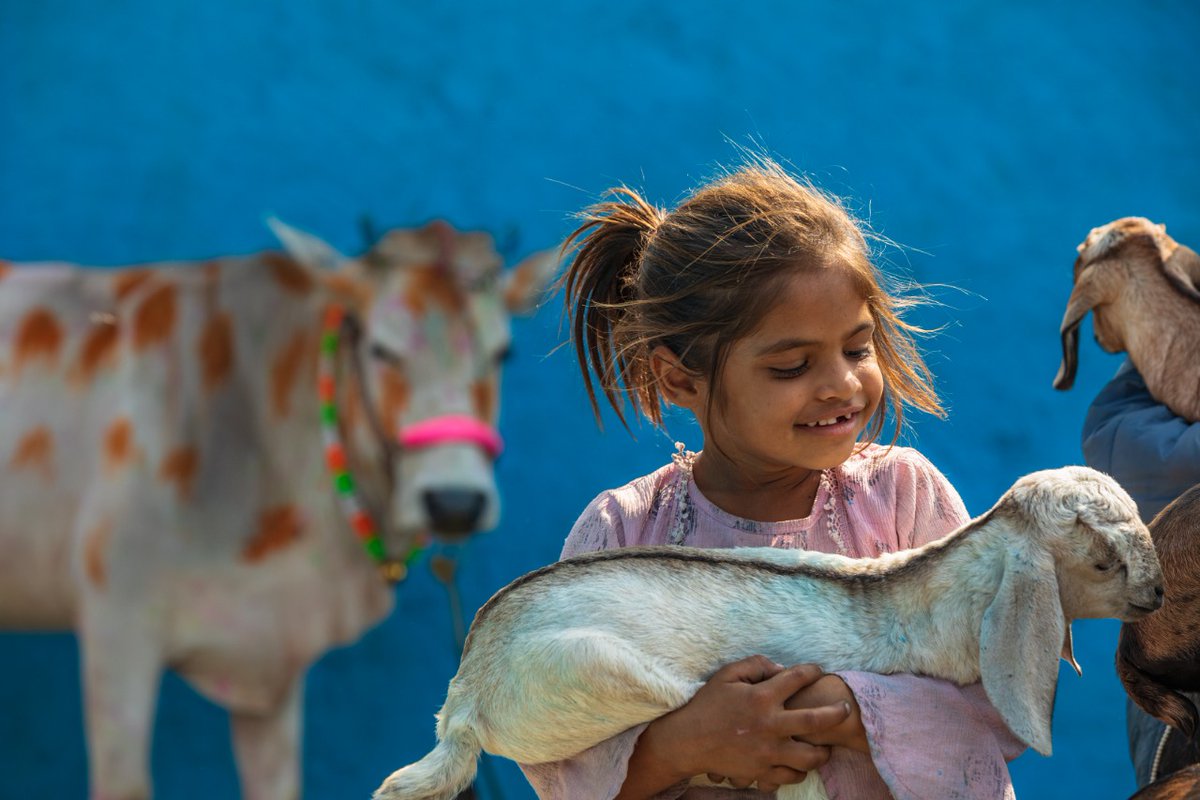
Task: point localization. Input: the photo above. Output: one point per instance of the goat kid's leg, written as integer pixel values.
(267, 748)
(122, 671)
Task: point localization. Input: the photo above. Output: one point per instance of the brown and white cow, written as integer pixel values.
(164, 487)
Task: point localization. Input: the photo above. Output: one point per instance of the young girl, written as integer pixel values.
(755, 306)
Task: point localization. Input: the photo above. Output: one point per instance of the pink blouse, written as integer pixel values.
(929, 738)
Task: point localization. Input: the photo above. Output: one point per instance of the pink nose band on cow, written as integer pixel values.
(452, 429)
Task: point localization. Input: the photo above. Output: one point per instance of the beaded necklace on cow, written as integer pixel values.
(336, 321)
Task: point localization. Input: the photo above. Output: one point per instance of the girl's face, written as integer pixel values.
(799, 390)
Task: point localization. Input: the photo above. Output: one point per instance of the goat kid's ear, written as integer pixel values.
(1020, 642)
(1156, 699)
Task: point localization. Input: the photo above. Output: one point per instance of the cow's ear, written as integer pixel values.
(527, 284)
(310, 250)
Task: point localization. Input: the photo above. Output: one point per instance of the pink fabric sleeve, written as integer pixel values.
(601, 526)
(594, 774)
(960, 749)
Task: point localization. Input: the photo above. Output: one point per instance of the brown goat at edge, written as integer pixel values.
(1143, 289)
(1181, 785)
(1159, 656)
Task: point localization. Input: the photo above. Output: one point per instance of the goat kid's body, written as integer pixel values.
(621, 601)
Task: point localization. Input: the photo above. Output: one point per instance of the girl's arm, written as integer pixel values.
(736, 730)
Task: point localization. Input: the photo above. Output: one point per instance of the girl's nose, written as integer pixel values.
(841, 383)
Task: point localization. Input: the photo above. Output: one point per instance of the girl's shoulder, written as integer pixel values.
(619, 517)
(639, 495)
(876, 461)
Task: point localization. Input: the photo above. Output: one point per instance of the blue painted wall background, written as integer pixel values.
(986, 138)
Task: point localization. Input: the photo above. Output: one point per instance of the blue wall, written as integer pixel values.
(986, 139)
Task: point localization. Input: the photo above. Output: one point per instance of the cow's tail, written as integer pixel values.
(441, 775)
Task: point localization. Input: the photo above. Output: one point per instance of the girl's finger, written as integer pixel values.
(801, 722)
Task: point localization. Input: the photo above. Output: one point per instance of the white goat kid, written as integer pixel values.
(574, 653)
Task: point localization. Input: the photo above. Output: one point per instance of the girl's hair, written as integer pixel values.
(700, 277)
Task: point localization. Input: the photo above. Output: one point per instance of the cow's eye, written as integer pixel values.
(387, 355)
(503, 354)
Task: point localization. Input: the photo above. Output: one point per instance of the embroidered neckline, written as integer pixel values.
(685, 508)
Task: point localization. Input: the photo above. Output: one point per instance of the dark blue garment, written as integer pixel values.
(1155, 455)
(1151, 452)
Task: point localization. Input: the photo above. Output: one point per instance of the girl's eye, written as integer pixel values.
(859, 354)
(790, 372)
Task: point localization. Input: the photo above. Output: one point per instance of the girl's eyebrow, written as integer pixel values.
(783, 345)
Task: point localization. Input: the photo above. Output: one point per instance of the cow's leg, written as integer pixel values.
(122, 670)
(267, 747)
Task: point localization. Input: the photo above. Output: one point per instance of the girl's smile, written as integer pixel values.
(837, 425)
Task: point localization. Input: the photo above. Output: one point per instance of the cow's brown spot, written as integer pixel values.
(288, 273)
(98, 350)
(39, 335)
(216, 351)
(154, 320)
(119, 446)
(483, 398)
(285, 371)
(35, 451)
(394, 396)
(179, 468)
(5, 268)
(95, 544)
(431, 286)
(277, 528)
(127, 281)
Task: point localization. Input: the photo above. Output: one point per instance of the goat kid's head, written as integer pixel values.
(1159, 656)
(1107, 258)
(1078, 550)
(435, 304)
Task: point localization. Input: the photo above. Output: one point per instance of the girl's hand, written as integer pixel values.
(826, 690)
(736, 728)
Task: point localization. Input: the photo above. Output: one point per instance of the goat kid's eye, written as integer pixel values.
(1104, 567)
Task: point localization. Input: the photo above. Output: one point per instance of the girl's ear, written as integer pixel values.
(678, 385)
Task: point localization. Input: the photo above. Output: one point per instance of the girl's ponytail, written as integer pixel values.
(601, 286)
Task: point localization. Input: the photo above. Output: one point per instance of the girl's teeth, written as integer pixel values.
(823, 422)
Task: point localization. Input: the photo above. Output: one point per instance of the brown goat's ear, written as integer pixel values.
(1156, 699)
(1065, 378)
(1183, 272)
(1084, 297)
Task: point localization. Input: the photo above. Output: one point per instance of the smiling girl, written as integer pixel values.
(755, 306)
